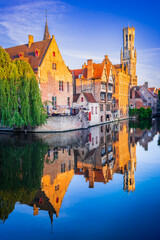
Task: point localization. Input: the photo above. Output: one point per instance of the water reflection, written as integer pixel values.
(36, 170)
(21, 170)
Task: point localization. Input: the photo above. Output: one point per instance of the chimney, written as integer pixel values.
(146, 84)
(90, 68)
(30, 40)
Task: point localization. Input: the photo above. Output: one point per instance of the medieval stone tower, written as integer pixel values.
(129, 54)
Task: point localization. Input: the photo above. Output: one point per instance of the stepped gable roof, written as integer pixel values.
(90, 98)
(75, 97)
(97, 71)
(29, 52)
(108, 68)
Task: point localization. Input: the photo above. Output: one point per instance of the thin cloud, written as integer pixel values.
(29, 18)
(150, 50)
(81, 55)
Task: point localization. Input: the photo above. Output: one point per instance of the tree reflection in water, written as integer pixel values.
(38, 173)
(21, 169)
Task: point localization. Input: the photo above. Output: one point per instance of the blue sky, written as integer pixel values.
(87, 29)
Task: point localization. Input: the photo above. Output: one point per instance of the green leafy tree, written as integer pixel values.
(141, 113)
(20, 98)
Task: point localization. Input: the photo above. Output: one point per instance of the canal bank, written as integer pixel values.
(60, 124)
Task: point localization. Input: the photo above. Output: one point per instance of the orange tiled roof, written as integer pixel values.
(98, 70)
(77, 72)
(29, 52)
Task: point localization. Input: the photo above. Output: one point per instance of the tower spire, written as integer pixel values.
(46, 31)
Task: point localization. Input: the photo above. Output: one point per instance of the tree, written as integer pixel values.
(20, 98)
(141, 113)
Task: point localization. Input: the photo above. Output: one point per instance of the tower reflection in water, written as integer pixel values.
(38, 170)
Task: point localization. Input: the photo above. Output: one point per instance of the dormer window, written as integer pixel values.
(37, 53)
(54, 54)
(21, 55)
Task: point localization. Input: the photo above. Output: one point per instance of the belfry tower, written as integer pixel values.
(129, 54)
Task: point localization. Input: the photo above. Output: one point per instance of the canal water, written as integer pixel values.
(101, 183)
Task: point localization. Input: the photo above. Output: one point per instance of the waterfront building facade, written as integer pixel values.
(87, 102)
(108, 84)
(53, 76)
(142, 96)
(97, 79)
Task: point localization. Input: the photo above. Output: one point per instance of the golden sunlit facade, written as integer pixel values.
(129, 54)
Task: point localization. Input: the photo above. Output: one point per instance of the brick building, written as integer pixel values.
(98, 79)
(53, 76)
(142, 96)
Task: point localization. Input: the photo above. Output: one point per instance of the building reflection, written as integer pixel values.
(58, 172)
(114, 154)
(96, 154)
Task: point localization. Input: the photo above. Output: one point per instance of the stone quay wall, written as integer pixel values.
(64, 123)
